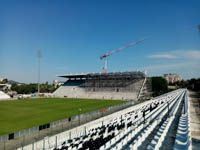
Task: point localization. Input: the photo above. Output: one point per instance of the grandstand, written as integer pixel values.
(118, 85)
(3, 96)
(161, 123)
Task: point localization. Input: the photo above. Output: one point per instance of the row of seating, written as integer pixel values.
(127, 129)
(118, 125)
(183, 137)
(134, 138)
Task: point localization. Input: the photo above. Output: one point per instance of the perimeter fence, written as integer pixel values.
(31, 135)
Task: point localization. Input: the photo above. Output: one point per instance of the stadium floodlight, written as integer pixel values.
(39, 55)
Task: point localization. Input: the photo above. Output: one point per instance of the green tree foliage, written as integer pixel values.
(192, 84)
(159, 86)
(32, 88)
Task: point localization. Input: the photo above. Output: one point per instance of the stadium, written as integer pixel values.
(118, 86)
(127, 124)
(99, 111)
(129, 110)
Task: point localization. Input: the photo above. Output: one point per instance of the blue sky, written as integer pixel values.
(73, 34)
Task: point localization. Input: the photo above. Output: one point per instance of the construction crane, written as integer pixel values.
(104, 57)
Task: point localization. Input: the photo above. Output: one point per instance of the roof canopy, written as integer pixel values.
(132, 74)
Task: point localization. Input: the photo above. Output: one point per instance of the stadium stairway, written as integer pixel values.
(146, 90)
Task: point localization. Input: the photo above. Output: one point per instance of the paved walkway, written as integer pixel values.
(195, 118)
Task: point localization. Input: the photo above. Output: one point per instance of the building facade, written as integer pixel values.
(172, 78)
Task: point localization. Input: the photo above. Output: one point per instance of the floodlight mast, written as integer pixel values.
(104, 57)
(39, 55)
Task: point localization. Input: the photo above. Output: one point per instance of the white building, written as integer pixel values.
(172, 77)
(57, 83)
(1, 79)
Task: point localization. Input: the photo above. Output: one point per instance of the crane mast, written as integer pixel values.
(104, 57)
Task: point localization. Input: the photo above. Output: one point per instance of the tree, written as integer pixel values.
(32, 88)
(159, 86)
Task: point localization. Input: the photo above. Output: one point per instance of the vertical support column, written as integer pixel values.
(43, 143)
(70, 135)
(85, 130)
(4, 145)
(32, 145)
(56, 141)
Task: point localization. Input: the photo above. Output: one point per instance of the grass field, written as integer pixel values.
(21, 114)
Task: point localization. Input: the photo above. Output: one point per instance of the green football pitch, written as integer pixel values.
(22, 114)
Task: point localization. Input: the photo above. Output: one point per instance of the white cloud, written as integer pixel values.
(160, 56)
(184, 62)
(186, 69)
(171, 66)
(193, 54)
(182, 54)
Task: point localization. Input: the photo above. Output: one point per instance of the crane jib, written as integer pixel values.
(119, 49)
